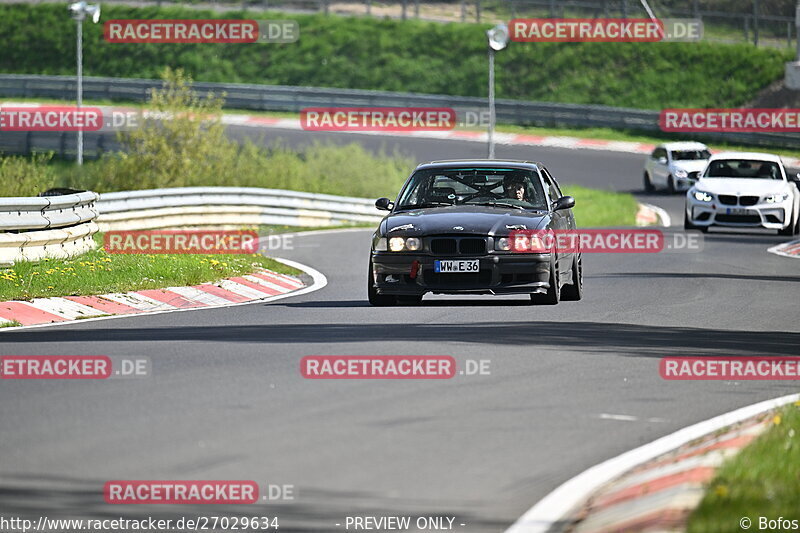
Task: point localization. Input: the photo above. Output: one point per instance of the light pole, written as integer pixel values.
(498, 39)
(79, 11)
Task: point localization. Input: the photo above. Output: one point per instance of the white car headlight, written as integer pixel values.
(776, 198)
(402, 244)
(702, 196)
(680, 173)
(396, 244)
(413, 244)
(503, 244)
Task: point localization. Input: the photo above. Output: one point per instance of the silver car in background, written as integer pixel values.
(675, 166)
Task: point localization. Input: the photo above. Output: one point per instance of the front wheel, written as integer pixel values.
(574, 292)
(686, 223)
(671, 185)
(379, 300)
(553, 294)
(648, 183)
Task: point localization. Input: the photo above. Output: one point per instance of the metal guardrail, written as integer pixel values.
(63, 226)
(229, 206)
(50, 226)
(294, 99)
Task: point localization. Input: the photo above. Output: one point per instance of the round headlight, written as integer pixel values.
(413, 244)
(503, 243)
(396, 244)
(702, 196)
(680, 173)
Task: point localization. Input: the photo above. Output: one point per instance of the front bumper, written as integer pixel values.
(499, 274)
(768, 216)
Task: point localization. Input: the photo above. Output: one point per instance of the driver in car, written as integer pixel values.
(515, 188)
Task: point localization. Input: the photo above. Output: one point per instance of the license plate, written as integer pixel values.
(468, 265)
(737, 211)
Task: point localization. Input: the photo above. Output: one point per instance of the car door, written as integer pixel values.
(660, 167)
(562, 221)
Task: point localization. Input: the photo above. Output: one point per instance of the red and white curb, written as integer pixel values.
(260, 286)
(660, 495)
(787, 249)
(657, 481)
(574, 143)
(650, 215)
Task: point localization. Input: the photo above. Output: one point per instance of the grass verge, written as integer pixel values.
(595, 208)
(98, 272)
(763, 480)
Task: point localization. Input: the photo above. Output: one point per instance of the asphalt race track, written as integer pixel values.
(226, 399)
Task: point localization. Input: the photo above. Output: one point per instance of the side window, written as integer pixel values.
(552, 185)
(658, 153)
(549, 187)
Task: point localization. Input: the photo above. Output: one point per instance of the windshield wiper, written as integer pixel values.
(425, 205)
(499, 204)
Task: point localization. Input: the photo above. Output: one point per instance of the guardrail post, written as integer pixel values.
(325, 6)
(463, 10)
(624, 9)
(63, 145)
(478, 10)
(405, 8)
(747, 29)
(695, 9)
(416, 8)
(29, 143)
(551, 8)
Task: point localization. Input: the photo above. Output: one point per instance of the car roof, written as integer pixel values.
(684, 145)
(758, 156)
(481, 163)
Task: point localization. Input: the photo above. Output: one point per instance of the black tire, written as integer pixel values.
(648, 183)
(378, 300)
(671, 185)
(686, 224)
(409, 300)
(792, 229)
(553, 294)
(574, 292)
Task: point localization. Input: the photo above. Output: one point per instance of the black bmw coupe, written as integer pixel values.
(451, 231)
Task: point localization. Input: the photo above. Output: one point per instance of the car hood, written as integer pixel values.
(696, 165)
(739, 186)
(473, 219)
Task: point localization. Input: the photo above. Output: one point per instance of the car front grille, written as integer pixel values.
(694, 175)
(748, 200)
(444, 246)
(472, 246)
(727, 199)
(458, 245)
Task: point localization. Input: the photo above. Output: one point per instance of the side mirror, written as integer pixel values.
(797, 177)
(384, 204)
(662, 160)
(565, 202)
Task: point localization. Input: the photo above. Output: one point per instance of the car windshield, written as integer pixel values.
(690, 155)
(743, 168)
(498, 187)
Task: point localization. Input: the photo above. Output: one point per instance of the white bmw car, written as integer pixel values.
(675, 166)
(743, 190)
